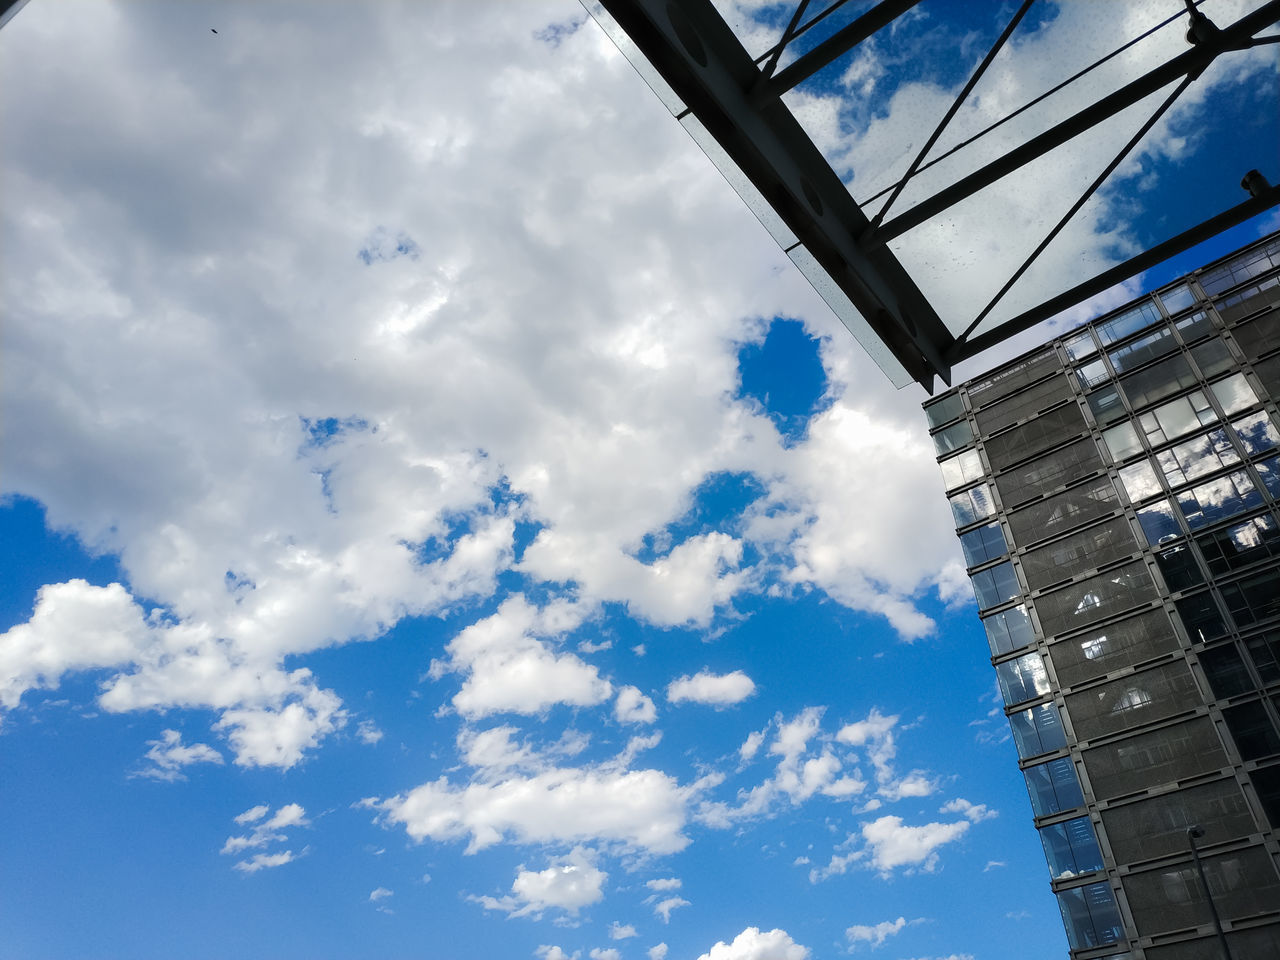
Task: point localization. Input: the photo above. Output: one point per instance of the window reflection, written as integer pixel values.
(1038, 730)
(1212, 357)
(1177, 417)
(1234, 393)
(1008, 630)
(1201, 617)
(1158, 381)
(1269, 473)
(1178, 298)
(995, 585)
(1194, 326)
(1256, 432)
(1092, 374)
(1140, 481)
(1154, 345)
(1218, 499)
(1081, 345)
(1195, 458)
(945, 410)
(1106, 404)
(1071, 848)
(1241, 544)
(1090, 915)
(1022, 679)
(1131, 321)
(983, 544)
(1122, 441)
(1159, 523)
(1053, 786)
(970, 506)
(953, 437)
(962, 469)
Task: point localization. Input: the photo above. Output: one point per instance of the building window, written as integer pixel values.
(945, 410)
(1198, 457)
(1129, 322)
(1251, 728)
(1179, 568)
(1218, 499)
(1253, 598)
(1212, 357)
(1269, 474)
(1234, 393)
(1158, 381)
(1106, 405)
(1022, 679)
(1008, 630)
(970, 506)
(1140, 481)
(1071, 847)
(1159, 523)
(953, 437)
(1122, 441)
(1264, 651)
(1090, 916)
(1194, 326)
(1225, 670)
(1176, 418)
(1080, 346)
(1154, 345)
(962, 469)
(1201, 617)
(995, 585)
(1053, 786)
(1178, 298)
(1038, 730)
(983, 544)
(1240, 545)
(1257, 433)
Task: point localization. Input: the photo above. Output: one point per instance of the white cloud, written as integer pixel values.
(605, 953)
(893, 844)
(620, 931)
(368, 732)
(266, 831)
(657, 952)
(168, 755)
(642, 809)
(548, 952)
(509, 668)
(975, 812)
(664, 907)
(751, 745)
(707, 687)
(874, 935)
(380, 893)
(752, 944)
(664, 883)
(632, 706)
(569, 885)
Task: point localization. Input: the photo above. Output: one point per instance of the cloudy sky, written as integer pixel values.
(438, 521)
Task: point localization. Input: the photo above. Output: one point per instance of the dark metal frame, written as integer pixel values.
(738, 101)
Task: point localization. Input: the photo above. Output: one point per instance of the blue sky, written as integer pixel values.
(438, 521)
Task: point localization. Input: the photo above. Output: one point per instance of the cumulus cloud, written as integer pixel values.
(664, 883)
(894, 844)
(509, 668)
(605, 953)
(874, 935)
(657, 952)
(168, 755)
(975, 812)
(621, 931)
(570, 885)
(380, 893)
(549, 952)
(711, 688)
(753, 944)
(632, 706)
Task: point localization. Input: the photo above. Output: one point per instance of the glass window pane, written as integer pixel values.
(1212, 357)
(1269, 473)
(1158, 381)
(1106, 405)
(1234, 393)
(1252, 730)
(1253, 598)
(1122, 441)
(1201, 617)
(1179, 568)
(1181, 416)
(1256, 432)
(1225, 670)
(995, 585)
(1218, 499)
(1022, 679)
(1264, 651)
(1092, 374)
(1196, 458)
(1194, 326)
(1071, 848)
(1177, 298)
(1159, 522)
(983, 544)
(953, 437)
(1008, 630)
(945, 410)
(1038, 730)
(1240, 545)
(1081, 345)
(1131, 321)
(1140, 481)
(970, 506)
(1053, 787)
(1154, 345)
(1090, 915)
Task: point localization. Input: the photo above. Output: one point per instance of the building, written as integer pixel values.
(1117, 497)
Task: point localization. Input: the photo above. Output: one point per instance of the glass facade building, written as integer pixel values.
(1117, 497)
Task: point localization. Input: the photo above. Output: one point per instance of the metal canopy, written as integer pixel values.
(732, 104)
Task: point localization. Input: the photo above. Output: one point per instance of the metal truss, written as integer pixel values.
(710, 77)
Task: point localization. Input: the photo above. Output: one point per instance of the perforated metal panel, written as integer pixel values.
(1243, 883)
(1004, 382)
(1040, 434)
(1150, 759)
(1066, 511)
(1132, 701)
(1262, 943)
(1157, 827)
(1052, 470)
(1023, 405)
(1074, 554)
(1114, 647)
(1081, 604)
